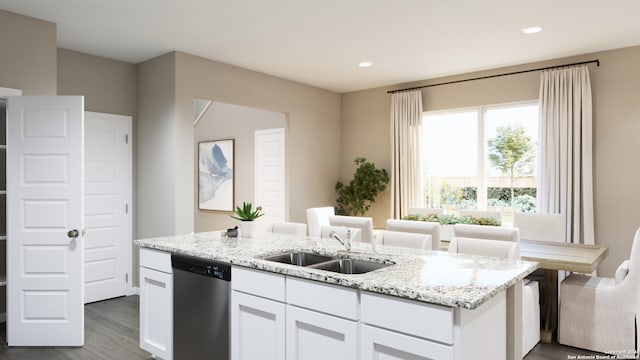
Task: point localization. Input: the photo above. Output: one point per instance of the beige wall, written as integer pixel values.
(27, 62)
(28, 55)
(108, 86)
(156, 148)
(313, 137)
(616, 125)
(227, 121)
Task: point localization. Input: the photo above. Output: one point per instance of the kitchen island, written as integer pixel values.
(449, 305)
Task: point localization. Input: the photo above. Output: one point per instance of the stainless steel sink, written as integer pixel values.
(337, 264)
(349, 266)
(299, 258)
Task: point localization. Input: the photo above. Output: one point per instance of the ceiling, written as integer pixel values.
(320, 42)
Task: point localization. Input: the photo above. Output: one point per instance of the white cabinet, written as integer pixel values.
(156, 303)
(321, 321)
(312, 335)
(379, 343)
(257, 322)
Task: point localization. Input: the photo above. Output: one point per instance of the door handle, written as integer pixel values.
(73, 233)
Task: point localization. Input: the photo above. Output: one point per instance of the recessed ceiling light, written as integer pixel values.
(531, 29)
(365, 64)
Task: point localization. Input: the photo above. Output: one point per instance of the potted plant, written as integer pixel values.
(356, 197)
(247, 214)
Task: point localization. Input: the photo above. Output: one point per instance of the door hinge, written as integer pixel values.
(126, 278)
(126, 138)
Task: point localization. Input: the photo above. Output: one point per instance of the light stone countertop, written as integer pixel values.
(455, 280)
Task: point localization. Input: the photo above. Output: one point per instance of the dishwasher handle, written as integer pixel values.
(201, 267)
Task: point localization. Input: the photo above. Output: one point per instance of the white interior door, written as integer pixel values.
(45, 221)
(108, 213)
(270, 174)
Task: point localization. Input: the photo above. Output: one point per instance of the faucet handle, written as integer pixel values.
(348, 234)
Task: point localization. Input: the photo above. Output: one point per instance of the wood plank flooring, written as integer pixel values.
(111, 333)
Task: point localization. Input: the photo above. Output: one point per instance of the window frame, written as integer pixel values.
(482, 161)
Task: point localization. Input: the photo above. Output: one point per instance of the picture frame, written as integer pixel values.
(216, 180)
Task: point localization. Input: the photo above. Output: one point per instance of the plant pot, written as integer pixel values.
(247, 228)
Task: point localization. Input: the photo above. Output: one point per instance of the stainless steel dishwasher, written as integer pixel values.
(201, 292)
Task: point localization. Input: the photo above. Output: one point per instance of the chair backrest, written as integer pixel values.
(486, 232)
(481, 214)
(420, 227)
(543, 227)
(425, 211)
(485, 247)
(355, 236)
(404, 239)
(317, 218)
(292, 228)
(365, 224)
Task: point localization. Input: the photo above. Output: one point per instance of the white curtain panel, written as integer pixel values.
(406, 150)
(565, 170)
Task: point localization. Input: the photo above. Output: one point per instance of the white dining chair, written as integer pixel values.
(420, 227)
(291, 228)
(485, 247)
(530, 290)
(318, 217)
(424, 211)
(344, 232)
(365, 224)
(481, 214)
(486, 232)
(600, 314)
(404, 239)
(540, 227)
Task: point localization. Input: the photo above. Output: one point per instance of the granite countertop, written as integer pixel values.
(455, 280)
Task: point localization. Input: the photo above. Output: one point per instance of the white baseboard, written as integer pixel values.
(133, 291)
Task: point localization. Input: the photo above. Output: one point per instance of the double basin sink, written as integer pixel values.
(329, 263)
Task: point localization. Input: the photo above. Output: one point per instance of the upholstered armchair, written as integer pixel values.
(317, 218)
(600, 314)
(486, 232)
(420, 227)
(365, 224)
(404, 239)
(290, 228)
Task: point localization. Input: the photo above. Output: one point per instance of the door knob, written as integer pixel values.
(73, 233)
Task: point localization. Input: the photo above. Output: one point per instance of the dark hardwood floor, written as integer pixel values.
(111, 332)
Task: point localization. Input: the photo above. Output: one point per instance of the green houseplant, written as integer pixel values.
(356, 197)
(247, 214)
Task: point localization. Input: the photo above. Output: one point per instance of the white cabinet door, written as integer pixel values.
(315, 336)
(389, 345)
(156, 313)
(45, 138)
(257, 328)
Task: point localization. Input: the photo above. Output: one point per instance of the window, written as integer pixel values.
(481, 158)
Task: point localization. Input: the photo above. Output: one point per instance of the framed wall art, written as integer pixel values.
(215, 175)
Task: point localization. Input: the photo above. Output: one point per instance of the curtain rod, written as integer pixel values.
(597, 61)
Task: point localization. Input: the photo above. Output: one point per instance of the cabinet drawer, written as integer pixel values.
(156, 259)
(330, 299)
(382, 344)
(427, 321)
(258, 282)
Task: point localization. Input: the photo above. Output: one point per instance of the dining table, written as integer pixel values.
(554, 257)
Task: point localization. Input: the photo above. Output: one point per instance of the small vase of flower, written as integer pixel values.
(247, 214)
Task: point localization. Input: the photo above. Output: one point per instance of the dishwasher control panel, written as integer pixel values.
(201, 267)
